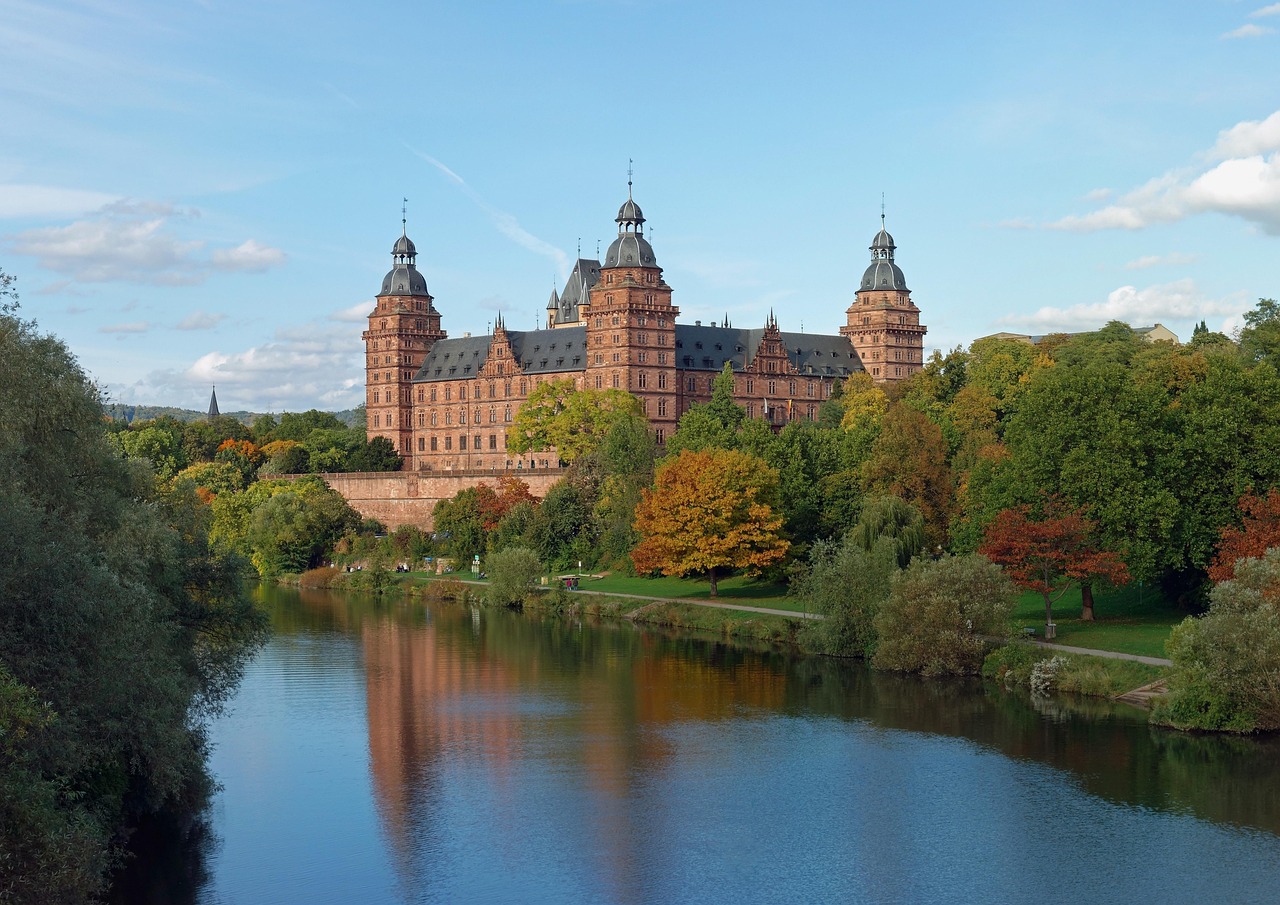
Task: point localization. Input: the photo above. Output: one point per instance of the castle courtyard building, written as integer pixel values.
(447, 405)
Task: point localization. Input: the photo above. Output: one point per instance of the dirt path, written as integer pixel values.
(1109, 654)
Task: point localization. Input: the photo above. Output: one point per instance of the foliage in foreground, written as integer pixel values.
(120, 631)
(941, 616)
(1226, 664)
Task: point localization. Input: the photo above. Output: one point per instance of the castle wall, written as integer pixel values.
(398, 498)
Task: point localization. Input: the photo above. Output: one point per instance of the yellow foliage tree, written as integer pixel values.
(558, 415)
(709, 511)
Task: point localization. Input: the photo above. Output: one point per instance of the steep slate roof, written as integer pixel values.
(708, 347)
(537, 351)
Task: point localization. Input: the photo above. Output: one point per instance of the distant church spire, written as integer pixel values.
(213, 404)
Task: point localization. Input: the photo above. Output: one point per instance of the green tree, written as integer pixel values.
(119, 634)
(1226, 664)
(513, 574)
(909, 460)
(1260, 336)
(847, 583)
(713, 424)
(941, 617)
(157, 446)
(572, 421)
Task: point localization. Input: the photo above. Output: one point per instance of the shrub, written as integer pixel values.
(940, 617)
(512, 574)
(847, 584)
(1044, 675)
(323, 577)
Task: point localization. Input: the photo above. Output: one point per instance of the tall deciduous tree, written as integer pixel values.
(1051, 553)
(709, 511)
(909, 460)
(573, 421)
(712, 424)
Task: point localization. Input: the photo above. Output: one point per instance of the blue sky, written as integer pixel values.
(207, 192)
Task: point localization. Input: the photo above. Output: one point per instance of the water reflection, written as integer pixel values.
(517, 758)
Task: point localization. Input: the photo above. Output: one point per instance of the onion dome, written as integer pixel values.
(630, 249)
(404, 278)
(883, 272)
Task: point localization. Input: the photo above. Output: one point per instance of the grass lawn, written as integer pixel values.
(1131, 620)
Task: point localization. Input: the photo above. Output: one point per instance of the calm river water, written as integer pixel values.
(397, 752)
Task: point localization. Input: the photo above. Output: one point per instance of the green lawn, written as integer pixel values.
(1131, 620)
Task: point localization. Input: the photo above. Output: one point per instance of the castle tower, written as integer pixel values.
(631, 324)
(883, 323)
(402, 328)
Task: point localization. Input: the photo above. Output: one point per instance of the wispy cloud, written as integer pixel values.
(1248, 31)
(200, 320)
(1177, 258)
(356, 314)
(1272, 10)
(1238, 176)
(1178, 300)
(48, 200)
(506, 223)
(131, 241)
(134, 327)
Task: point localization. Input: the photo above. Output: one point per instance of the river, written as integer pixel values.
(405, 752)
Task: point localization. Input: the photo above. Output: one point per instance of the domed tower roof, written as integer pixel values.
(630, 249)
(404, 278)
(883, 272)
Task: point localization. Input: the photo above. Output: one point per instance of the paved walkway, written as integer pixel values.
(1109, 654)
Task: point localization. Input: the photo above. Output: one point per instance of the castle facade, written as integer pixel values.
(447, 404)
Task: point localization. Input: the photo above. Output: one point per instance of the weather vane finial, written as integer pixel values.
(882, 210)
(404, 216)
(630, 166)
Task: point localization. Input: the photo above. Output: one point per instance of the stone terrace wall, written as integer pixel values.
(398, 498)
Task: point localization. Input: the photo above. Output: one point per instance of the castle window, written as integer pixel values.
(662, 356)
(751, 409)
(599, 322)
(462, 441)
(506, 415)
(773, 388)
(791, 388)
(433, 394)
(662, 408)
(493, 441)
(662, 339)
(492, 389)
(377, 421)
(422, 420)
(462, 416)
(434, 446)
(599, 359)
(462, 391)
(448, 417)
(808, 388)
(448, 393)
(524, 386)
(422, 442)
(692, 384)
(493, 414)
(662, 380)
(875, 372)
(599, 381)
(616, 339)
(506, 389)
(433, 419)
(375, 397)
(617, 357)
(615, 380)
(642, 380)
(751, 385)
(419, 394)
(448, 443)
(642, 357)
(609, 280)
(500, 368)
(661, 436)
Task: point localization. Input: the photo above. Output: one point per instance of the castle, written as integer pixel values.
(447, 404)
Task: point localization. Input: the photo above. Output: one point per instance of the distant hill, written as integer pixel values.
(118, 411)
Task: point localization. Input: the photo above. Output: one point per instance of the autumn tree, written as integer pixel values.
(572, 421)
(1259, 532)
(1050, 553)
(709, 511)
(909, 460)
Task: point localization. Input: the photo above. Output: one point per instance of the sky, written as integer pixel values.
(201, 193)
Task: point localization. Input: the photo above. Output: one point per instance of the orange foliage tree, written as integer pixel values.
(709, 511)
(492, 505)
(1258, 533)
(1051, 553)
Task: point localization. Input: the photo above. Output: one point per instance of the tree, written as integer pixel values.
(847, 584)
(1260, 336)
(909, 460)
(242, 455)
(710, 510)
(890, 518)
(512, 575)
(1051, 553)
(1258, 533)
(572, 421)
(376, 454)
(1226, 664)
(712, 424)
(941, 616)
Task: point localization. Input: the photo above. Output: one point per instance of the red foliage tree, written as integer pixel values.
(1258, 533)
(1051, 553)
(494, 504)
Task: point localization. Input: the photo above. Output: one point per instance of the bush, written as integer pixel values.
(512, 575)
(1226, 664)
(940, 617)
(847, 584)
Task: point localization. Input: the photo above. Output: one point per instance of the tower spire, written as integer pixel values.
(404, 216)
(882, 210)
(630, 166)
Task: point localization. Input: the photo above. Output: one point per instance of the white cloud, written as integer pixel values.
(1249, 31)
(1272, 10)
(200, 320)
(312, 366)
(1244, 182)
(1177, 258)
(135, 242)
(1098, 194)
(1178, 300)
(47, 200)
(134, 327)
(356, 314)
(250, 256)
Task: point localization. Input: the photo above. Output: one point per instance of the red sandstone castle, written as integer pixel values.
(447, 404)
